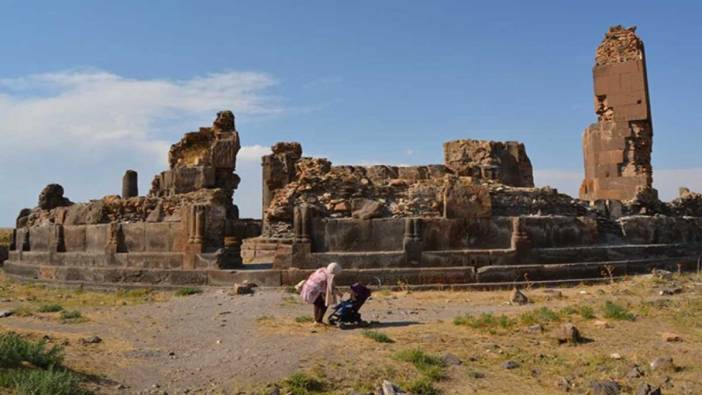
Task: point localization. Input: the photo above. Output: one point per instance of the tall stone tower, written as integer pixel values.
(617, 149)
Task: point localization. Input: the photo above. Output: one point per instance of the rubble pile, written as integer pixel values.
(619, 45)
(687, 204)
(411, 191)
(201, 171)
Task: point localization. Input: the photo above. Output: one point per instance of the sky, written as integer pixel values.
(90, 89)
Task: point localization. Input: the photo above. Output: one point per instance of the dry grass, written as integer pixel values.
(5, 237)
(484, 342)
(33, 296)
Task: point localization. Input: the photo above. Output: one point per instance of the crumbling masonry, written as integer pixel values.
(617, 149)
(476, 218)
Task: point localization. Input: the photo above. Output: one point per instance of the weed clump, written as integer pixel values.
(303, 319)
(187, 291)
(28, 367)
(430, 366)
(303, 384)
(71, 315)
(377, 336)
(50, 308)
(617, 312)
(487, 321)
(539, 316)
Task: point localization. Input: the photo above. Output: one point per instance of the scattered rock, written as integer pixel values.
(369, 209)
(647, 389)
(389, 388)
(602, 324)
(476, 375)
(671, 337)
(510, 365)
(5, 313)
(565, 384)
(518, 297)
(671, 290)
(604, 387)
(662, 274)
(245, 288)
(663, 363)
(635, 372)
(451, 360)
(91, 340)
(615, 355)
(553, 293)
(536, 328)
(568, 333)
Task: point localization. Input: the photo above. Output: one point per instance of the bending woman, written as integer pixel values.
(319, 290)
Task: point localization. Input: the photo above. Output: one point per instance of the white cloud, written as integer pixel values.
(83, 128)
(666, 181)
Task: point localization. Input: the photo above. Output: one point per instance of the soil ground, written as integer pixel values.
(217, 342)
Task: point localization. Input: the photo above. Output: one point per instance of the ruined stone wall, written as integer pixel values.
(459, 188)
(502, 162)
(617, 149)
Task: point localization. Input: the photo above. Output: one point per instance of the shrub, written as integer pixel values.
(301, 384)
(50, 308)
(617, 312)
(14, 350)
(379, 337)
(187, 291)
(71, 315)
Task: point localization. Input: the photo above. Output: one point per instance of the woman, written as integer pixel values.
(319, 290)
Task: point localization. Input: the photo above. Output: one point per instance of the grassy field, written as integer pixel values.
(624, 325)
(430, 342)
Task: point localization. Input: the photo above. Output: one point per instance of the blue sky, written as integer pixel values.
(89, 89)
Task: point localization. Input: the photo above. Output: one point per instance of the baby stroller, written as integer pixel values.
(347, 311)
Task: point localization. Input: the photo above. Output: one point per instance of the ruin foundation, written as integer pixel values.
(474, 219)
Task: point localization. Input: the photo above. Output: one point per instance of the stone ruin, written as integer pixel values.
(185, 228)
(617, 149)
(475, 219)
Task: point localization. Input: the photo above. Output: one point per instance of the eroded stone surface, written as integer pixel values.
(617, 149)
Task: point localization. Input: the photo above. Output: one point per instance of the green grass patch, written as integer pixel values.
(431, 367)
(303, 319)
(33, 368)
(586, 312)
(41, 382)
(617, 312)
(539, 316)
(487, 321)
(50, 308)
(377, 336)
(303, 384)
(421, 386)
(187, 291)
(71, 315)
(14, 350)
